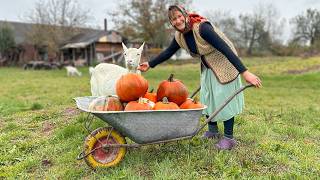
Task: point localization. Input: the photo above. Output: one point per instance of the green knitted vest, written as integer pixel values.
(218, 63)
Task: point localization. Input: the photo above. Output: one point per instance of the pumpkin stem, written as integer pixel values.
(170, 79)
(165, 100)
(142, 100)
(151, 91)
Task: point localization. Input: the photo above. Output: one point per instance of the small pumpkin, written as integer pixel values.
(100, 108)
(114, 104)
(187, 103)
(151, 96)
(141, 104)
(173, 89)
(191, 104)
(130, 87)
(111, 103)
(165, 105)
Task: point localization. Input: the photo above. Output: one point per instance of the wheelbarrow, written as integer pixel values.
(107, 146)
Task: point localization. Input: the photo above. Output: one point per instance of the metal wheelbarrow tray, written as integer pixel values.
(150, 125)
(106, 146)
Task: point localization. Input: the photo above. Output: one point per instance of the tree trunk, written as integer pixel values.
(249, 52)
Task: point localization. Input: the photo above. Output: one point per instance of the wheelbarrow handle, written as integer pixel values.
(222, 106)
(198, 89)
(195, 92)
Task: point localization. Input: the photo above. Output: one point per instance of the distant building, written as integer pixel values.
(100, 46)
(24, 51)
(84, 48)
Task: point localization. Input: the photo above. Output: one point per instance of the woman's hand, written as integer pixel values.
(143, 67)
(252, 79)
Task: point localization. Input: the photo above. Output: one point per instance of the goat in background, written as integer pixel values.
(72, 71)
(104, 77)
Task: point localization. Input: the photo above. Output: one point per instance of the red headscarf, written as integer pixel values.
(195, 18)
(191, 18)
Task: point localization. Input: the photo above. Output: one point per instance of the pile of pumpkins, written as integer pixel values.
(132, 95)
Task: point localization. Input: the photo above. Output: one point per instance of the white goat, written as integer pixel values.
(91, 69)
(105, 75)
(72, 71)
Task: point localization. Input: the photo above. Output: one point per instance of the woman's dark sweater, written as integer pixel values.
(208, 34)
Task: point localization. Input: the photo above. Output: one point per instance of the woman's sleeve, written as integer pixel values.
(166, 54)
(208, 34)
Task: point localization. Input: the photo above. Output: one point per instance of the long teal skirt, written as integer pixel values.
(213, 94)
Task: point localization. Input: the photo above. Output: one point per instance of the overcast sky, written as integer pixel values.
(14, 10)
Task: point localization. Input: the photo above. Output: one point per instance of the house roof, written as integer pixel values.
(20, 30)
(83, 39)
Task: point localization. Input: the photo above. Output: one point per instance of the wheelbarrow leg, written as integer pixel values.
(88, 122)
(221, 107)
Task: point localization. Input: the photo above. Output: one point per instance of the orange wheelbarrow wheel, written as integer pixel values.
(101, 157)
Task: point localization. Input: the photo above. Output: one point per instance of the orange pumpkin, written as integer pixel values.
(131, 86)
(141, 104)
(191, 104)
(185, 104)
(151, 96)
(173, 89)
(165, 105)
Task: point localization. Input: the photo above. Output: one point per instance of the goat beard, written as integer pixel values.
(130, 67)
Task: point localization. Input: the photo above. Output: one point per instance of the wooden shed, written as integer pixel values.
(93, 47)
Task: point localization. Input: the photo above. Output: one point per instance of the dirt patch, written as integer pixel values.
(144, 172)
(1, 123)
(71, 112)
(47, 128)
(301, 71)
(46, 163)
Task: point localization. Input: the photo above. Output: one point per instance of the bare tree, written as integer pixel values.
(307, 27)
(144, 20)
(259, 29)
(251, 29)
(273, 23)
(55, 21)
(225, 22)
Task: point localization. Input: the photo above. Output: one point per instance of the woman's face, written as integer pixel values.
(178, 20)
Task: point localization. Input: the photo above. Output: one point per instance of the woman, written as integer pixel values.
(220, 69)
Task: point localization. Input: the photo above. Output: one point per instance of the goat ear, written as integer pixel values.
(124, 47)
(141, 47)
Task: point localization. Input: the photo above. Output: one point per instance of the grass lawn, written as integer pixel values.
(41, 131)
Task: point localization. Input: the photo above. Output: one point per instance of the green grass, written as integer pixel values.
(41, 133)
